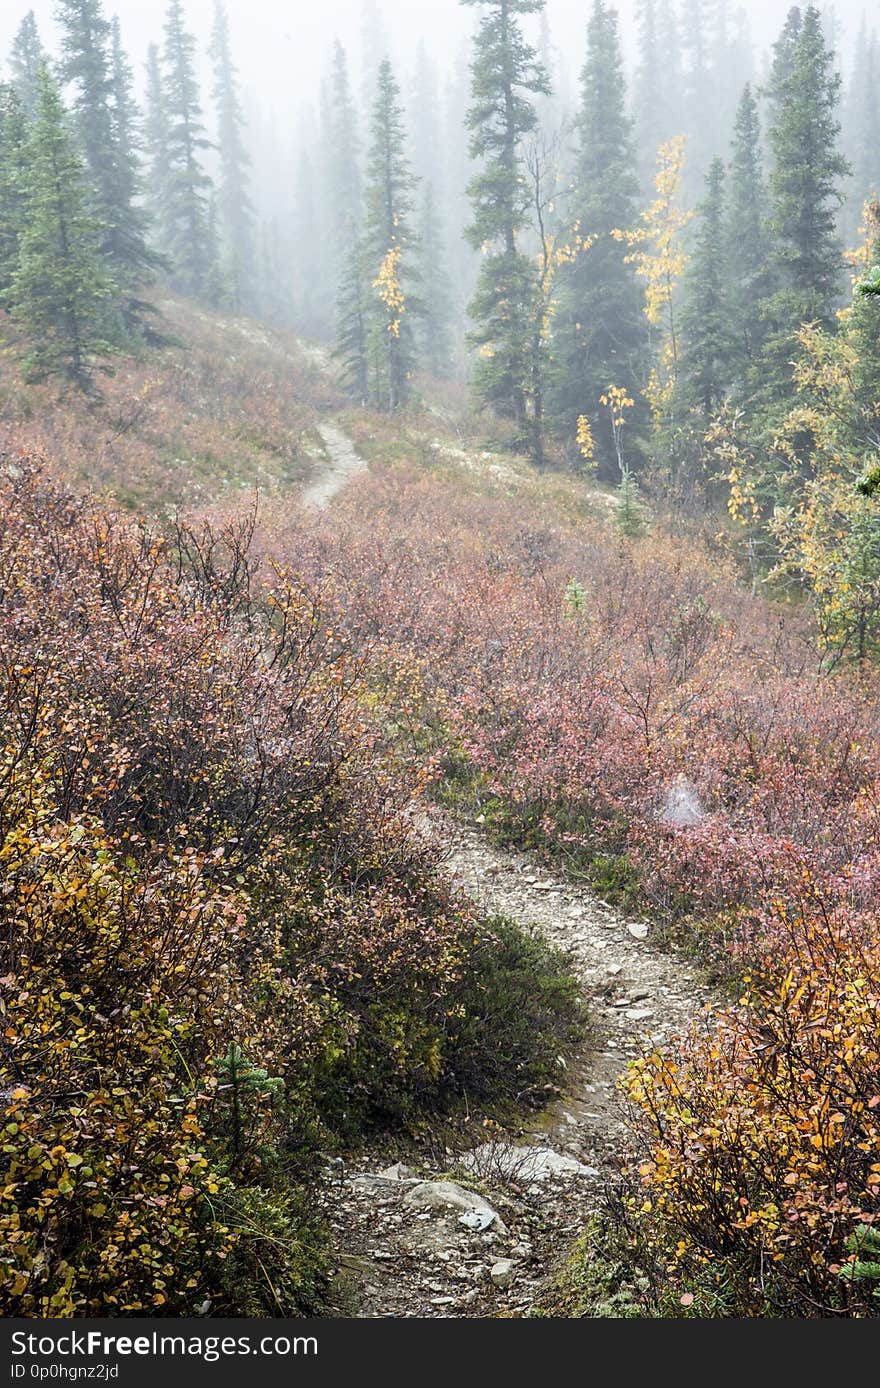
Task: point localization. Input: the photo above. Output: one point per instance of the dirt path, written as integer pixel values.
(411, 1247)
(343, 463)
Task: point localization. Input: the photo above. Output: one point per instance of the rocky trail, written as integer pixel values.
(414, 1238)
(342, 463)
(480, 1229)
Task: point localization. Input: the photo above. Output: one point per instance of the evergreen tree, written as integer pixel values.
(862, 127)
(435, 295)
(353, 324)
(389, 244)
(506, 74)
(748, 245)
(61, 293)
(658, 87)
(706, 316)
(94, 64)
(156, 148)
(26, 61)
(235, 220)
(13, 175)
(186, 193)
(458, 170)
(804, 184)
(423, 119)
(343, 160)
(309, 274)
(600, 331)
(863, 335)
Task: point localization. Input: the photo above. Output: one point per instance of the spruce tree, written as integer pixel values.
(186, 194)
(863, 335)
(235, 219)
(706, 317)
(61, 293)
(13, 176)
(342, 156)
(748, 245)
(862, 128)
(94, 65)
(435, 293)
(389, 245)
(600, 334)
(423, 119)
(352, 349)
(804, 185)
(506, 77)
(658, 91)
(155, 131)
(26, 60)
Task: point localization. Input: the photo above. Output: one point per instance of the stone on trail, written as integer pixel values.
(638, 930)
(398, 1172)
(448, 1197)
(502, 1273)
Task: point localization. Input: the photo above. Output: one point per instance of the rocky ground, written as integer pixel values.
(477, 1227)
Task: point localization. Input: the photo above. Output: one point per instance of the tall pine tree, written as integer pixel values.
(507, 76)
(389, 245)
(862, 128)
(600, 336)
(13, 175)
(706, 318)
(61, 293)
(805, 187)
(187, 189)
(26, 61)
(435, 293)
(748, 246)
(235, 217)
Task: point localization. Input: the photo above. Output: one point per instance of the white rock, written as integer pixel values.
(398, 1172)
(638, 930)
(640, 1014)
(447, 1196)
(503, 1272)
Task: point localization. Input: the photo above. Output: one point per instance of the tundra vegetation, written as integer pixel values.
(610, 586)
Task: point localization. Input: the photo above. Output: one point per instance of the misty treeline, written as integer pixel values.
(617, 265)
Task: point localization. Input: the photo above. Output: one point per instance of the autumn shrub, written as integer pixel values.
(574, 684)
(224, 944)
(764, 1133)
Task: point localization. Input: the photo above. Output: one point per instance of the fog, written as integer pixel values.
(282, 48)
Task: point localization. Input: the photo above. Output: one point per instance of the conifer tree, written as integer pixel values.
(235, 228)
(94, 65)
(748, 245)
(61, 293)
(506, 78)
(804, 184)
(862, 127)
(186, 193)
(389, 244)
(343, 160)
(156, 148)
(600, 329)
(13, 175)
(435, 294)
(353, 324)
(658, 87)
(26, 60)
(706, 316)
(423, 119)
